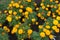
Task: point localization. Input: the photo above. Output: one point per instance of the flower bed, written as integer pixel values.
(27, 20)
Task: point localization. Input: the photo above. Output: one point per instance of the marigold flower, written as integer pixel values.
(20, 31)
(14, 13)
(57, 30)
(37, 8)
(17, 5)
(54, 27)
(55, 22)
(44, 29)
(42, 4)
(39, 14)
(48, 5)
(26, 13)
(29, 9)
(29, 0)
(48, 32)
(14, 30)
(9, 18)
(20, 10)
(58, 25)
(58, 17)
(43, 7)
(51, 36)
(51, 0)
(47, 26)
(29, 31)
(0, 24)
(56, 1)
(42, 34)
(21, 6)
(33, 20)
(40, 26)
(10, 11)
(10, 5)
(17, 26)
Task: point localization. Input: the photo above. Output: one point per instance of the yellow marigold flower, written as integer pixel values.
(35, 4)
(54, 27)
(29, 0)
(23, 20)
(9, 18)
(21, 6)
(29, 31)
(52, 6)
(10, 5)
(10, 11)
(44, 29)
(48, 14)
(26, 16)
(0, 24)
(14, 13)
(12, 2)
(19, 17)
(51, 0)
(19, 2)
(5, 27)
(20, 31)
(51, 36)
(56, 1)
(42, 34)
(40, 26)
(5, 11)
(57, 30)
(22, 39)
(42, 17)
(8, 30)
(42, 4)
(16, 17)
(20, 10)
(58, 17)
(29, 9)
(55, 22)
(47, 26)
(17, 5)
(13, 5)
(48, 5)
(59, 8)
(37, 8)
(57, 11)
(26, 13)
(39, 15)
(55, 6)
(48, 32)
(37, 23)
(43, 7)
(33, 20)
(47, 9)
(58, 25)
(16, 26)
(59, 4)
(14, 30)
(47, 23)
(53, 15)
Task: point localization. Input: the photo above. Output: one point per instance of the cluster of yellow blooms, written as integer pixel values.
(16, 11)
